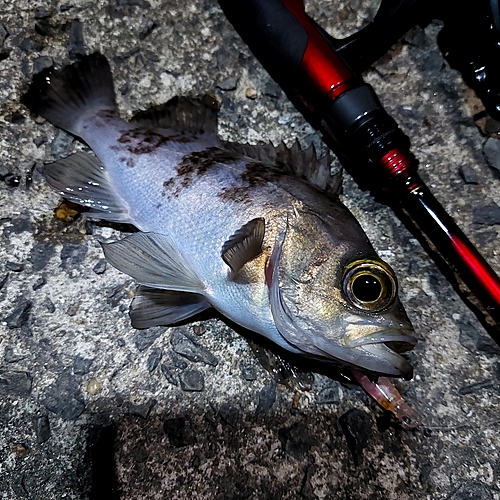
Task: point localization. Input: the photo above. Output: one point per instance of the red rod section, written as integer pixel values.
(324, 69)
(403, 182)
(456, 248)
(479, 266)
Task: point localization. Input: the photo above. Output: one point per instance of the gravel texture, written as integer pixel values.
(91, 408)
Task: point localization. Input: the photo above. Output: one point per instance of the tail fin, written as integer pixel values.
(63, 97)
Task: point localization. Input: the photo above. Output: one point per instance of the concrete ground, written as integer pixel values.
(91, 408)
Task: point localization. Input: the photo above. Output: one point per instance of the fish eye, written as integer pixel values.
(369, 285)
(366, 287)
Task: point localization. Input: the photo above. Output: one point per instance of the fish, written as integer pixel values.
(257, 233)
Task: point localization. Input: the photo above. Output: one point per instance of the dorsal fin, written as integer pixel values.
(185, 116)
(244, 245)
(296, 161)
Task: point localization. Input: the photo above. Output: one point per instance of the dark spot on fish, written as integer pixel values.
(128, 161)
(107, 113)
(255, 175)
(168, 187)
(237, 194)
(199, 162)
(259, 174)
(169, 183)
(143, 141)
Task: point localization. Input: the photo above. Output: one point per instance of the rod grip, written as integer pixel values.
(273, 33)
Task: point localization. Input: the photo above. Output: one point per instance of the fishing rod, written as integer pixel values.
(321, 76)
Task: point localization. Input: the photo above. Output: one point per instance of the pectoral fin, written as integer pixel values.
(244, 245)
(153, 307)
(153, 260)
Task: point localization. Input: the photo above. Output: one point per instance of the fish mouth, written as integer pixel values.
(388, 361)
(382, 351)
(398, 340)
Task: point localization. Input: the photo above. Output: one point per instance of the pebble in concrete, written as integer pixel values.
(192, 381)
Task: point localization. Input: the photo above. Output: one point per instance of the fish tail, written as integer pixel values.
(64, 97)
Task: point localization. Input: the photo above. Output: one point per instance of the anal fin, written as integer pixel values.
(83, 179)
(153, 260)
(244, 245)
(154, 307)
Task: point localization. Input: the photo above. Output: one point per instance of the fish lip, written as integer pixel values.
(376, 358)
(386, 345)
(395, 364)
(403, 338)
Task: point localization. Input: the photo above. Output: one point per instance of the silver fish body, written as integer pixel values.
(220, 229)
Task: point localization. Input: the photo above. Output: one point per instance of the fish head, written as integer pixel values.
(334, 299)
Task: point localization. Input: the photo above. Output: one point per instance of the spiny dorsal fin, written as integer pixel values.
(185, 116)
(244, 245)
(296, 161)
